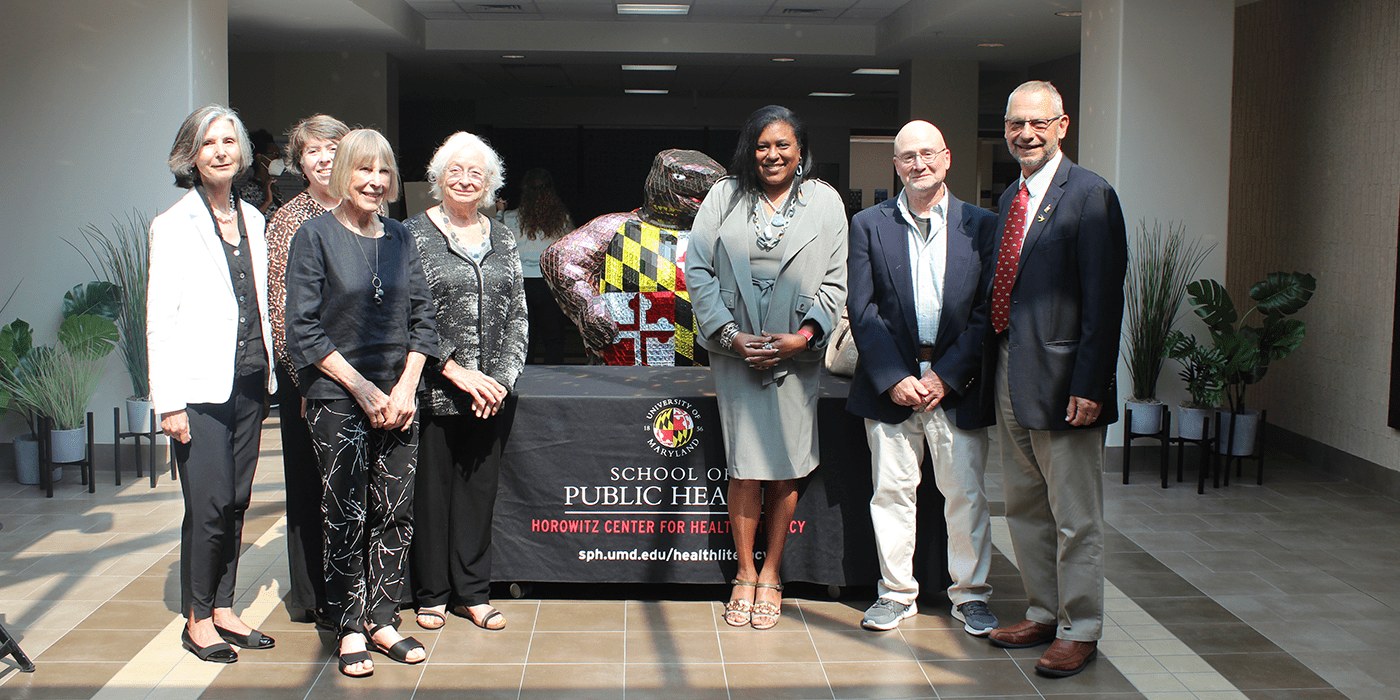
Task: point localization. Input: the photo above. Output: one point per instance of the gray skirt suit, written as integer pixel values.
(769, 417)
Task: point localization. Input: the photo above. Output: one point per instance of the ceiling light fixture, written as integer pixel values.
(784, 60)
(643, 66)
(512, 55)
(632, 8)
(831, 94)
(647, 92)
(990, 45)
(1069, 13)
(875, 71)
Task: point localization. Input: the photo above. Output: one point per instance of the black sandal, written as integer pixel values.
(219, 653)
(399, 651)
(350, 658)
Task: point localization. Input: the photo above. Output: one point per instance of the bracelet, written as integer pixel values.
(728, 333)
(806, 334)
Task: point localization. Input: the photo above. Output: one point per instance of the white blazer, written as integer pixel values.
(191, 313)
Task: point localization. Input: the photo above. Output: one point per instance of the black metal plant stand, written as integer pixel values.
(10, 647)
(1206, 447)
(1162, 435)
(46, 457)
(149, 436)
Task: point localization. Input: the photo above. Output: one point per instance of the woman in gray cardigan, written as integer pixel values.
(473, 270)
(766, 272)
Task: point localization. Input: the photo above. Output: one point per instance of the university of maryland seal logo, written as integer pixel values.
(673, 427)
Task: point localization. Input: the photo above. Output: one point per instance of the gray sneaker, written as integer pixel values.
(885, 614)
(976, 618)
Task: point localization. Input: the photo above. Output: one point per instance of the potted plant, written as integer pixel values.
(1246, 351)
(58, 381)
(15, 338)
(123, 259)
(1201, 369)
(1159, 267)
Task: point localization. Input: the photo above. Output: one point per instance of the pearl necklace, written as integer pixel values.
(771, 233)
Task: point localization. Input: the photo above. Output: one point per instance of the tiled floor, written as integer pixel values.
(1280, 592)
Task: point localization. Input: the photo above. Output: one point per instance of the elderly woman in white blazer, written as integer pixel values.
(766, 270)
(210, 349)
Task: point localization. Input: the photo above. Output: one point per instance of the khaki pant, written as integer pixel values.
(1054, 509)
(959, 460)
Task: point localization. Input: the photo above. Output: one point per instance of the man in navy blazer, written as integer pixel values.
(1056, 305)
(917, 308)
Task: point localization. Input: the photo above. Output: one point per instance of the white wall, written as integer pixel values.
(872, 168)
(94, 92)
(1156, 89)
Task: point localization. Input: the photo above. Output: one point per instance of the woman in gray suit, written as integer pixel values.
(766, 272)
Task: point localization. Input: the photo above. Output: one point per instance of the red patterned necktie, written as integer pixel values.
(1011, 239)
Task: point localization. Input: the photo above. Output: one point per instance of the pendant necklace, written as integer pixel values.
(373, 271)
(771, 233)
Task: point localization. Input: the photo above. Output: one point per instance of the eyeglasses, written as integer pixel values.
(456, 173)
(1014, 126)
(926, 155)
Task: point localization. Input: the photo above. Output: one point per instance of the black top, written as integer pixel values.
(251, 356)
(331, 304)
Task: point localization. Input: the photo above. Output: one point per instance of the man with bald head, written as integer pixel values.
(917, 309)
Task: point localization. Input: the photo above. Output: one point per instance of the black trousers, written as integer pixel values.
(366, 510)
(548, 324)
(306, 589)
(459, 469)
(216, 478)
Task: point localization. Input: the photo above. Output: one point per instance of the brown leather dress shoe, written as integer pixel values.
(1025, 633)
(1066, 658)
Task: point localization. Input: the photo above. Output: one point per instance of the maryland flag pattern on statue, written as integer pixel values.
(643, 287)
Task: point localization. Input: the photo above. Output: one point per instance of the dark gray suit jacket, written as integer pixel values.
(1067, 303)
(883, 322)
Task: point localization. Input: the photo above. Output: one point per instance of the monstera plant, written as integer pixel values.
(1240, 354)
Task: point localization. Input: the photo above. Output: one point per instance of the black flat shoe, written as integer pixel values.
(214, 653)
(399, 651)
(252, 640)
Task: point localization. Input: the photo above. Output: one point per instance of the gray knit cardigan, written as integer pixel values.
(481, 318)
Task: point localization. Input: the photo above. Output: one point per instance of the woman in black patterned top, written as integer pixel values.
(359, 330)
(473, 270)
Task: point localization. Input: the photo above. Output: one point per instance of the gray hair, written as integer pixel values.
(455, 144)
(190, 139)
(316, 126)
(1038, 86)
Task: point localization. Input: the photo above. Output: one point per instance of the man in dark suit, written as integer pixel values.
(917, 309)
(1051, 352)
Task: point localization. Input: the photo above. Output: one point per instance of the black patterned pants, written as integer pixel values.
(366, 509)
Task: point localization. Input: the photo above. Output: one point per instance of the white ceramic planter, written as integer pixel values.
(1191, 422)
(1246, 429)
(1147, 417)
(27, 459)
(69, 445)
(138, 416)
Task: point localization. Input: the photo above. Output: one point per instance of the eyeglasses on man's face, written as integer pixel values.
(1015, 126)
(927, 156)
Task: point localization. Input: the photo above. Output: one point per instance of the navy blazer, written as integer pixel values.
(1067, 302)
(883, 322)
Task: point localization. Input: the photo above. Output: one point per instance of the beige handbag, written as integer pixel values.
(841, 355)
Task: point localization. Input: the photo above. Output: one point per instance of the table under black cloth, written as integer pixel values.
(618, 474)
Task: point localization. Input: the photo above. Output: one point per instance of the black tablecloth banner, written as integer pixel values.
(618, 474)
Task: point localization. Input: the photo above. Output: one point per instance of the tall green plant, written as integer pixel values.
(1159, 267)
(123, 259)
(1243, 352)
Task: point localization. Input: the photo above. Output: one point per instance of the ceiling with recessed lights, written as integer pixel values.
(721, 48)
